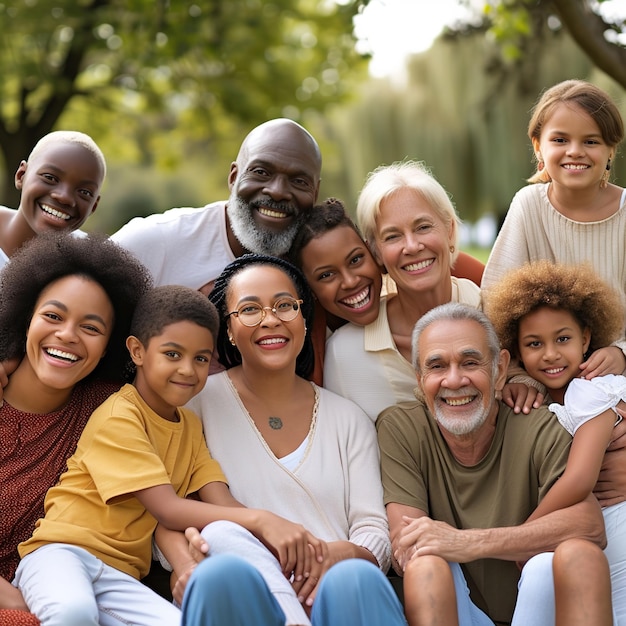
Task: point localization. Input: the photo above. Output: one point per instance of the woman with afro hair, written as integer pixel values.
(65, 310)
(551, 317)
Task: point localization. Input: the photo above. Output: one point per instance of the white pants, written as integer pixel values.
(535, 600)
(535, 604)
(64, 585)
(615, 525)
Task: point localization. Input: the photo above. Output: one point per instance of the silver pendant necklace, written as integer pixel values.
(275, 422)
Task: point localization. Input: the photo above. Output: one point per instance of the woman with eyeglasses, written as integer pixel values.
(296, 449)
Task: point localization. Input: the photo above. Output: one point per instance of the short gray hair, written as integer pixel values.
(450, 312)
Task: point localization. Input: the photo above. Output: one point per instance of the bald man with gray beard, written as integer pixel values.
(273, 181)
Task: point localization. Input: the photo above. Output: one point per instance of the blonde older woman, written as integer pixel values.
(411, 227)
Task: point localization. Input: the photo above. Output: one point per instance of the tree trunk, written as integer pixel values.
(15, 151)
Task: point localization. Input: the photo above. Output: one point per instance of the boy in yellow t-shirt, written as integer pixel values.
(137, 460)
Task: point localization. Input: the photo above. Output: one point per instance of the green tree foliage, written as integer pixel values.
(462, 117)
(521, 27)
(140, 68)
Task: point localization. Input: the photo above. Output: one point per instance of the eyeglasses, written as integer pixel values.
(252, 314)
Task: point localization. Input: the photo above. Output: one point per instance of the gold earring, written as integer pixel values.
(604, 181)
(452, 249)
(231, 339)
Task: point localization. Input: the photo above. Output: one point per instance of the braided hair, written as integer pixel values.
(229, 355)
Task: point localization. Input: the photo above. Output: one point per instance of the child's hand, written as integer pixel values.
(198, 551)
(610, 360)
(521, 397)
(293, 545)
(179, 580)
(198, 547)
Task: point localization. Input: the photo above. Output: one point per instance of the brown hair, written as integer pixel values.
(593, 100)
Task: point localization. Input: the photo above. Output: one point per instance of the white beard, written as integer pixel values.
(460, 425)
(249, 234)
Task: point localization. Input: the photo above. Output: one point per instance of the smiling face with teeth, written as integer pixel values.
(413, 242)
(68, 335)
(458, 377)
(273, 344)
(343, 275)
(60, 187)
(572, 148)
(273, 181)
(552, 345)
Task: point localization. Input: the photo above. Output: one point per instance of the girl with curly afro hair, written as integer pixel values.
(65, 313)
(577, 289)
(550, 316)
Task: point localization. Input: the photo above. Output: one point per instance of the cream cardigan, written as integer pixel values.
(336, 490)
(534, 229)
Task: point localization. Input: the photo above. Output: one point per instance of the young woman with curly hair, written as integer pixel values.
(65, 313)
(551, 316)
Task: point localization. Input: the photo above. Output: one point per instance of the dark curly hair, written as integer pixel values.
(321, 219)
(51, 256)
(574, 288)
(229, 356)
(169, 304)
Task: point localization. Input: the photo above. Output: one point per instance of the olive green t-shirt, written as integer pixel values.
(528, 454)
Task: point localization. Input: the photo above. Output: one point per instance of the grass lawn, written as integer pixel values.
(482, 254)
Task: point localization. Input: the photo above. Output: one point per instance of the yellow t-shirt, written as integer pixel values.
(125, 447)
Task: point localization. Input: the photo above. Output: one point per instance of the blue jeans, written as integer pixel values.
(226, 589)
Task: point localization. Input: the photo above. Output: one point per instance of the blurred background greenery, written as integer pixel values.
(169, 88)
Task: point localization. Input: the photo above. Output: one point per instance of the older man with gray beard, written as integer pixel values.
(273, 181)
(461, 474)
